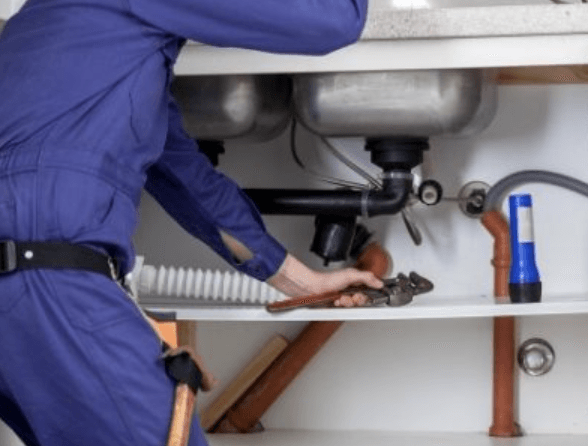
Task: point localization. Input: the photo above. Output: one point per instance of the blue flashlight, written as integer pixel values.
(524, 283)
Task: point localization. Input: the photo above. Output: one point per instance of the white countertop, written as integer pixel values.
(479, 21)
(426, 38)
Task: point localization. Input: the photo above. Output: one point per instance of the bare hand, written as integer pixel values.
(296, 279)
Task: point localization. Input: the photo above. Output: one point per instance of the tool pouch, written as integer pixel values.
(182, 367)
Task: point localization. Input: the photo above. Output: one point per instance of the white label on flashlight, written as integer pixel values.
(525, 218)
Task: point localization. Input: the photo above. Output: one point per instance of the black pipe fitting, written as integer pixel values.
(398, 153)
(339, 202)
(333, 237)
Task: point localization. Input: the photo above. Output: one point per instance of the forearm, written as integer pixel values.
(211, 206)
(294, 278)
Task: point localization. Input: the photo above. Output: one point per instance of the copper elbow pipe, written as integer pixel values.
(504, 424)
(496, 224)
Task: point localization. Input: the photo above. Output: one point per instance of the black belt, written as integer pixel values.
(16, 256)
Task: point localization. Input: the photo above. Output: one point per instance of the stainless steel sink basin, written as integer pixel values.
(368, 104)
(398, 103)
(250, 107)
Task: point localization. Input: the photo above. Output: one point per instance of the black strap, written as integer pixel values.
(182, 368)
(55, 255)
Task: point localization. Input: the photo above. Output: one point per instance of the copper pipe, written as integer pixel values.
(504, 424)
(375, 259)
(245, 414)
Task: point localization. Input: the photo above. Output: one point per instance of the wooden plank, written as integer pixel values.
(252, 371)
(572, 74)
(186, 333)
(168, 332)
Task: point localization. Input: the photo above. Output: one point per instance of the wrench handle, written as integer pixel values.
(304, 301)
(374, 296)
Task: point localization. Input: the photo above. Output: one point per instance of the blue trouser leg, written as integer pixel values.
(84, 372)
(11, 414)
(78, 361)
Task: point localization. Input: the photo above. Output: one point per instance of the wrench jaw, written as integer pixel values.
(377, 298)
(390, 295)
(399, 299)
(400, 290)
(420, 284)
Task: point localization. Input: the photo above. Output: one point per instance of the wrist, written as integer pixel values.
(294, 278)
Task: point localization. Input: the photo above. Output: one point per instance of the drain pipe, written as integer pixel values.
(504, 424)
(395, 156)
(391, 199)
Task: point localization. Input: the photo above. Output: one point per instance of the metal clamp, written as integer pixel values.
(7, 256)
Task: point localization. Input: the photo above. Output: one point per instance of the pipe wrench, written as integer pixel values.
(397, 291)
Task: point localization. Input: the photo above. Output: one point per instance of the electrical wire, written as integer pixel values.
(351, 164)
(313, 173)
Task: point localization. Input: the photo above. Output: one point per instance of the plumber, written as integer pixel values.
(86, 122)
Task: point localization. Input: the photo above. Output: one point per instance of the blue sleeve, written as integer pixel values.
(282, 26)
(204, 201)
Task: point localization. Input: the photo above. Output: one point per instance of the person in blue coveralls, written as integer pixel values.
(87, 121)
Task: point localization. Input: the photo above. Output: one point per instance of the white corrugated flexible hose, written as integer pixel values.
(199, 284)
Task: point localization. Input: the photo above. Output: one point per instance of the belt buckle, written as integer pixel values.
(7, 256)
(114, 270)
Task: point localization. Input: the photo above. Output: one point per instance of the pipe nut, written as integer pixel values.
(472, 197)
(536, 357)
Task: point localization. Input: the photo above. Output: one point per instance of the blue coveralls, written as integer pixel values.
(86, 121)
